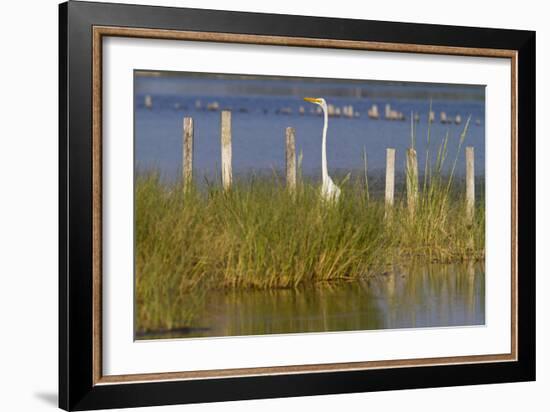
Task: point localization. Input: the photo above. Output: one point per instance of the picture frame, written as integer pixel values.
(82, 383)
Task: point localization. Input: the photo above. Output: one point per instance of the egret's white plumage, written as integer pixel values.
(329, 190)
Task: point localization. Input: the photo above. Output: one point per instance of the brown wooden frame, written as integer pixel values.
(99, 32)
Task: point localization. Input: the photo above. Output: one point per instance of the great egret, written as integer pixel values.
(329, 191)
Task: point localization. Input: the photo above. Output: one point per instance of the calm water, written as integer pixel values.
(426, 296)
(258, 128)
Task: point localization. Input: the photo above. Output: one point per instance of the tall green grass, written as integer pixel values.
(256, 235)
(259, 235)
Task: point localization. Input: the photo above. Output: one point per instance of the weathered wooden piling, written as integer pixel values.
(470, 184)
(390, 177)
(290, 159)
(412, 180)
(227, 172)
(187, 152)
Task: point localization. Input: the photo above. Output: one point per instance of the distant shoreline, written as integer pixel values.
(247, 85)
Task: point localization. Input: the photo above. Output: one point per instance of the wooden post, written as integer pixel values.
(227, 173)
(470, 184)
(187, 152)
(290, 159)
(390, 177)
(412, 180)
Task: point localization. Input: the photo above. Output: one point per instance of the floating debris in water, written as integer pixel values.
(148, 102)
(214, 106)
(373, 112)
(444, 119)
(348, 111)
(335, 111)
(343, 111)
(391, 114)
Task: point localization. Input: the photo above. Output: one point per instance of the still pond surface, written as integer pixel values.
(435, 295)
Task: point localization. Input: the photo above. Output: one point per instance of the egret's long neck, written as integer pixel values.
(324, 148)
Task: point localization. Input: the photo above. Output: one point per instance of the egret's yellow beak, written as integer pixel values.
(312, 100)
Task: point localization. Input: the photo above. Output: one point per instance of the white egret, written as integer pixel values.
(329, 191)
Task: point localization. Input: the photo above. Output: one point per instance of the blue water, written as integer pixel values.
(258, 130)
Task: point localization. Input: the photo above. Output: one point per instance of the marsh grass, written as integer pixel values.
(258, 235)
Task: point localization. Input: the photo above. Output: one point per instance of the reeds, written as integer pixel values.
(259, 235)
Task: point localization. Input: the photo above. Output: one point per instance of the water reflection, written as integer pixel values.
(418, 296)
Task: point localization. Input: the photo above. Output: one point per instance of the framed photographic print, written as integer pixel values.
(257, 205)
